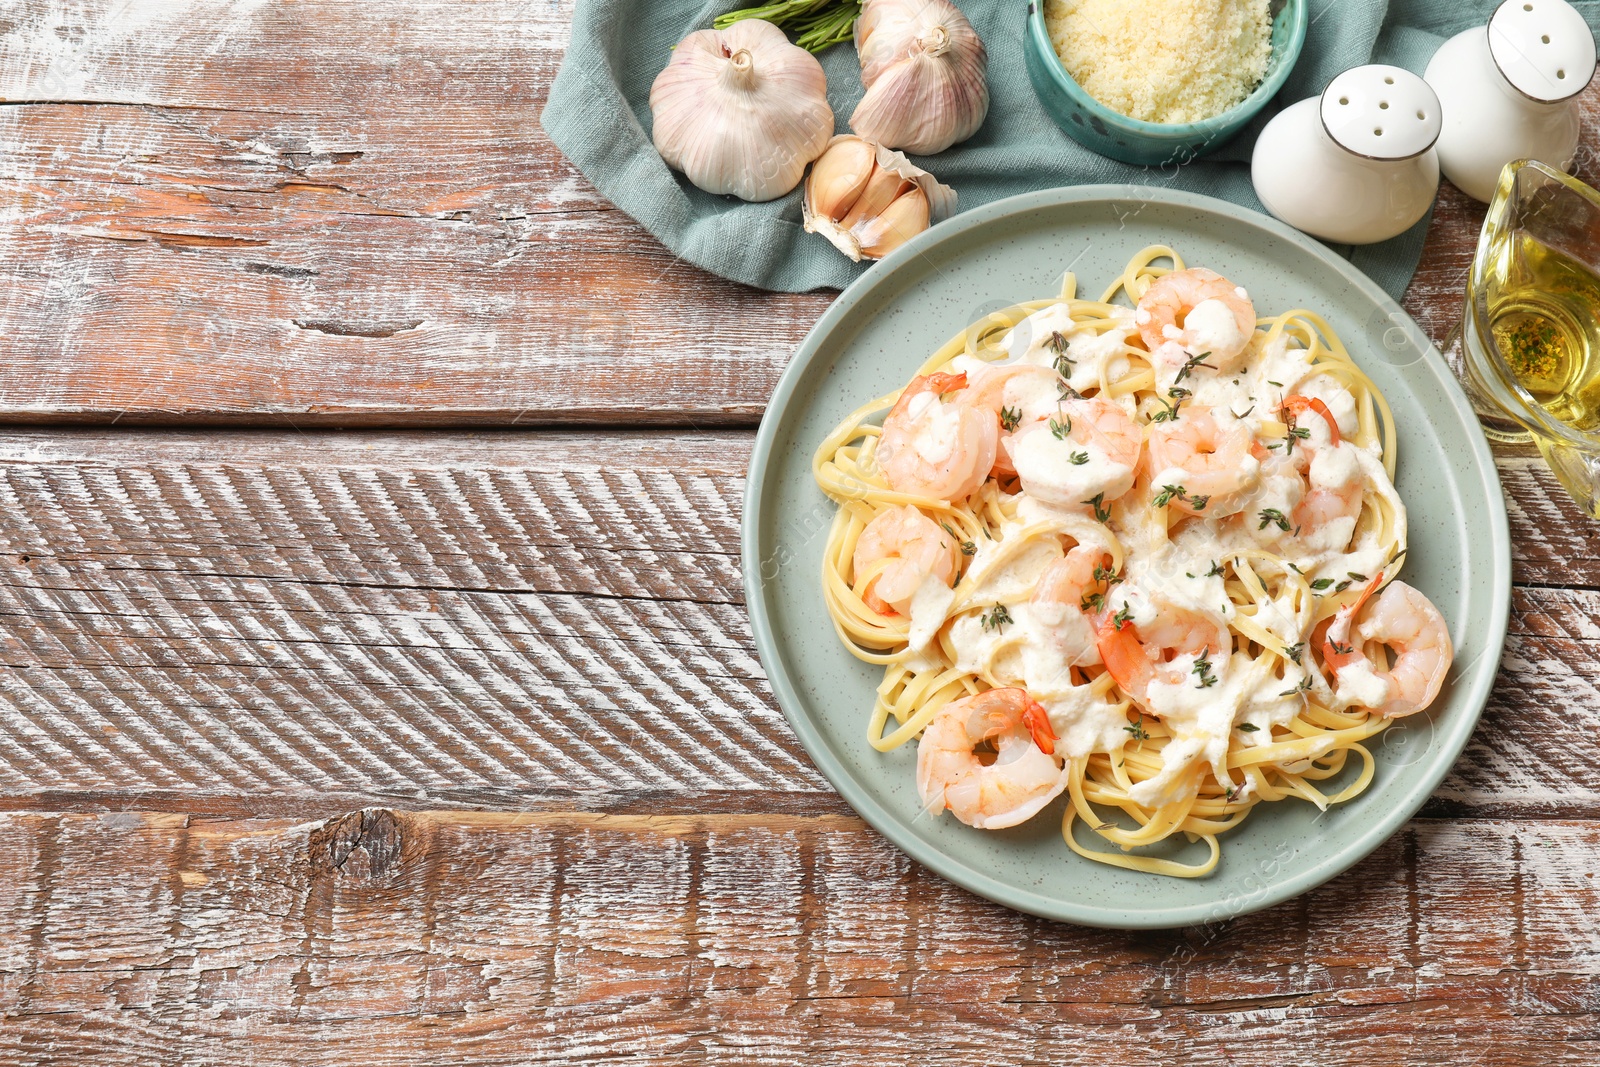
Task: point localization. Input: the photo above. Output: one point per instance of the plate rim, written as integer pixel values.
(926, 853)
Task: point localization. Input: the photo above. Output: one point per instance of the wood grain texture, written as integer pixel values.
(323, 213)
(571, 938)
(241, 623)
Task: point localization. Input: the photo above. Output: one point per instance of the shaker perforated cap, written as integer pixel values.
(1543, 47)
(1381, 112)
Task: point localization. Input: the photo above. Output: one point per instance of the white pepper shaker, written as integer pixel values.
(1509, 91)
(1355, 165)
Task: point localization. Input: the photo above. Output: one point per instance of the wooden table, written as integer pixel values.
(445, 738)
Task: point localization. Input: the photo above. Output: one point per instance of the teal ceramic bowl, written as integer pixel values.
(1103, 130)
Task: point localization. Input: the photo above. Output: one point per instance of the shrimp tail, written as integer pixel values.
(1037, 720)
(947, 383)
(1337, 647)
(1297, 405)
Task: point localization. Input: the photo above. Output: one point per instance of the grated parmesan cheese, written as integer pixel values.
(1169, 61)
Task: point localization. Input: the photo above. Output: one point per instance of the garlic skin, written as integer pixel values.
(869, 200)
(924, 70)
(741, 110)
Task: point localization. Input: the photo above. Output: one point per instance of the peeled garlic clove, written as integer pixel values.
(897, 224)
(881, 190)
(924, 69)
(741, 110)
(892, 200)
(840, 175)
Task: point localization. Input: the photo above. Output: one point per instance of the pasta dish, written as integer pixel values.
(1143, 555)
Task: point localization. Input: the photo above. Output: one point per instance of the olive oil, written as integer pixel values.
(1544, 312)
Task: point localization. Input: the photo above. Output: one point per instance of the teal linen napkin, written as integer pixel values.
(598, 113)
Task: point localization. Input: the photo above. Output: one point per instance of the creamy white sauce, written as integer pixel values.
(1212, 327)
(1238, 699)
(1360, 686)
(1065, 472)
(929, 606)
(1089, 351)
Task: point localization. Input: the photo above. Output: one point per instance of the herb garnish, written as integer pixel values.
(1010, 418)
(1101, 512)
(1194, 362)
(1305, 683)
(1058, 430)
(1321, 583)
(1202, 667)
(1123, 618)
(1170, 412)
(1079, 458)
(1294, 651)
(967, 547)
(1247, 727)
(996, 617)
(1136, 729)
(1271, 516)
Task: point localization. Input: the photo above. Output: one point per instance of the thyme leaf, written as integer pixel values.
(1272, 516)
(996, 617)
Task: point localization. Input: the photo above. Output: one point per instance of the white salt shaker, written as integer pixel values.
(1355, 165)
(1509, 91)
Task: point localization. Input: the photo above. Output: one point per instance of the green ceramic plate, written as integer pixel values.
(873, 338)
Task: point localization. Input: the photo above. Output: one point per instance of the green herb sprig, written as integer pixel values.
(814, 24)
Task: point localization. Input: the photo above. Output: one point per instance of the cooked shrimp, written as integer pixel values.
(935, 443)
(1064, 601)
(1089, 448)
(915, 548)
(1019, 394)
(1405, 621)
(1211, 462)
(1137, 655)
(1326, 516)
(1023, 778)
(1200, 312)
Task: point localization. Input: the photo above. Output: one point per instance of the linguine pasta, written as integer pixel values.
(1246, 512)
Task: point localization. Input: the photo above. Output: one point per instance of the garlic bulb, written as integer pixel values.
(923, 67)
(741, 110)
(869, 200)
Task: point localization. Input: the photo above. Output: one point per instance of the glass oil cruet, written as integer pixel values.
(1528, 347)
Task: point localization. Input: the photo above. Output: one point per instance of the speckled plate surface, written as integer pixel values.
(875, 336)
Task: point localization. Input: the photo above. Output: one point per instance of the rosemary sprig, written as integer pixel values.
(815, 24)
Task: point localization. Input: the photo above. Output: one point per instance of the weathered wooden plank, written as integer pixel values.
(309, 225)
(516, 620)
(571, 938)
(251, 213)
